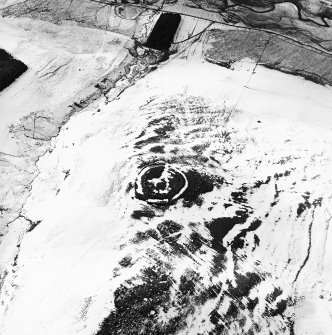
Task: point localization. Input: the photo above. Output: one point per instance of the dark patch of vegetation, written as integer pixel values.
(3, 209)
(256, 240)
(150, 140)
(219, 261)
(33, 225)
(10, 69)
(15, 261)
(244, 284)
(274, 295)
(259, 183)
(280, 175)
(291, 324)
(158, 149)
(129, 187)
(252, 303)
(211, 292)
(138, 214)
(137, 307)
(169, 227)
(278, 310)
(220, 227)
(217, 321)
(232, 311)
(195, 242)
(239, 197)
(164, 125)
(317, 202)
(142, 236)
(177, 248)
(200, 148)
(187, 285)
(238, 241)
(126, 261)
(187, 292)
(303, 205)
(198, 184)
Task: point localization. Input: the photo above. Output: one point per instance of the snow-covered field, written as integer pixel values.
(62, 61)
(245, 249)
(266, 150)
(64, 65)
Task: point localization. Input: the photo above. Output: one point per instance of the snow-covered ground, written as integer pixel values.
(62, 60)
(64, 65)
(263, 138)
(246, 249)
